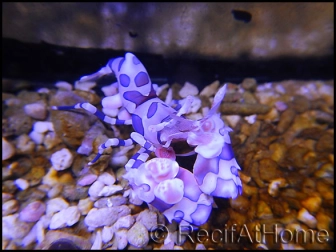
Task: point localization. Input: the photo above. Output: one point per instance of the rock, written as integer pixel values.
(30, 194)
(233, 120)
(325, 143)
(84, 206)
(243, 109)
(105, 216)
(61, 159)
(240, 204)
(10, 207)
(66, 217)
(264, 211)
(97, 244)
(69, 126)
(120, 238)
(53, 178)
(249, 84)
(286, 119)
(188, 89)
(295, 156)
(12, 228)
(210, 90)
(63, 85)
(50, 140)
(6, 197)
(33, 211)
(87, 179)
(251, 119)
(8, 150)
(110, 190)
(312, 204)
(107, 178)
(15, 122)
(280, 106)
(36, 110)
(273, 187)
(124, 222)
(115, 200)
(107, 234)
(148, 219)
(74, 193)
(95, 189)
(24, 144)
(305, 217)
(138, 235)
(300, 103)
(200, 246)
(22, 184)
(56, 205)
(86, 146)
(43, 127)
(325, 171)
(323, 221)
(268, 169)
(55, 191)
(35, 234)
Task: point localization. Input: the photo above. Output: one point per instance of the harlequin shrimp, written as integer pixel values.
(161, 182)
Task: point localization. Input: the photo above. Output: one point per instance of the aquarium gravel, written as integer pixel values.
(282, 139)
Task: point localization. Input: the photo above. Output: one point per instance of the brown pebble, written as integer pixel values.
(249, 98)
(286, 119)
(30, 194)
(268, 169)
(15, 122)
(9, 186)
(324, 117)
(254, 172)
(263, 210)
(295, 156)
(323, 221)
(312, 204)
(244, 109)
(74, 193)
(240, 204)
(300, 103)
(325, 143)
(314, 133)
(249, 84)
(308, 186)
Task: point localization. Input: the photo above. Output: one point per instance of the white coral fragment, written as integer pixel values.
(62, 159)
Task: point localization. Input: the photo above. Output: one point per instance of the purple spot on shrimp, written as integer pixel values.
(203, 166)
(234, 170)
(178, 215)
(124, 80)
(147, 145)
(136, 61)
(141, 79)
(120, 64)
(201, 214)
(191, 188)
(160, 204)
(137, 124)
(152, 109)
(137, 98)
(225, 189)
(137, 163)
(227, 152)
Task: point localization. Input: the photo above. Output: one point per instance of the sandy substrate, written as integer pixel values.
(282, 138)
